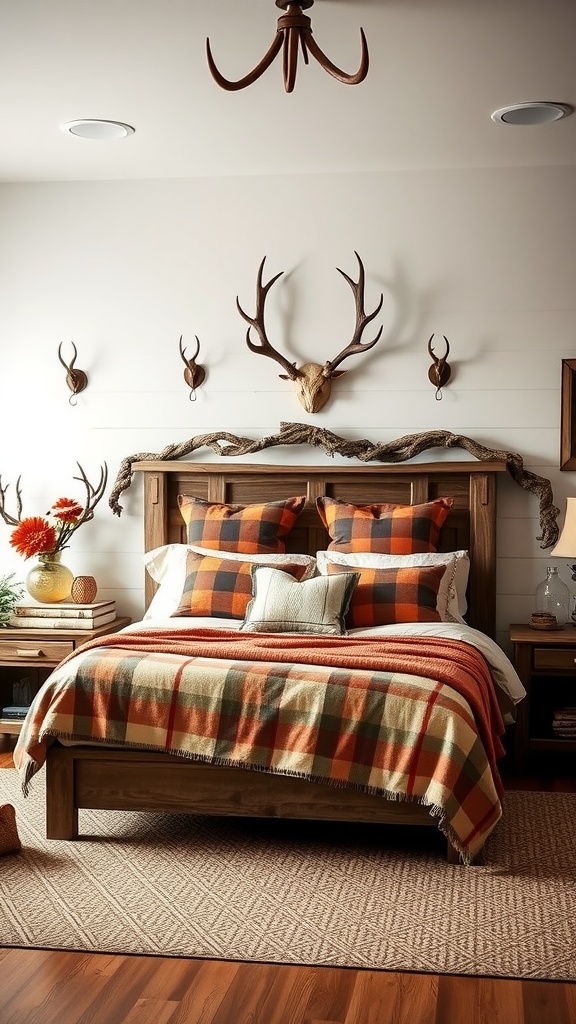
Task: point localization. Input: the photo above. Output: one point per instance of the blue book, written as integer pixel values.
(15, 711)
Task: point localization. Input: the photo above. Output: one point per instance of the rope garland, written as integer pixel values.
(400, 450)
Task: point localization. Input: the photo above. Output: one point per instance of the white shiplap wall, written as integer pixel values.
(485, 257)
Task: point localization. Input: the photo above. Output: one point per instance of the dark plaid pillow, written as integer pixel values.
(387, 529)
(247, 529)
(385, 596)
(221, 587)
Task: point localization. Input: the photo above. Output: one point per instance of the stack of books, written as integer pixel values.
(15, 713)
(564, 723)
(63, 615)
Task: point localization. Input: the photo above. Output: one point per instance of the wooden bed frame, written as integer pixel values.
(103, 778)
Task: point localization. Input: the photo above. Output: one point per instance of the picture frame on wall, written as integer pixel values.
(568, 416)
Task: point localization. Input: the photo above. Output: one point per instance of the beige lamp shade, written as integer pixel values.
(566, 544)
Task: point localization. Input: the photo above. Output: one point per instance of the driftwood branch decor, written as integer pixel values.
(313, 381)
(400, 450)
(293, 32)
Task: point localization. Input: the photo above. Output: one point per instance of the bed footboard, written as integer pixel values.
(126, 780)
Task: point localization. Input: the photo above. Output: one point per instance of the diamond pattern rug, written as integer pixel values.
(298, 893)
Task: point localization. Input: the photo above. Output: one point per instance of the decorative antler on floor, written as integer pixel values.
(400, 450)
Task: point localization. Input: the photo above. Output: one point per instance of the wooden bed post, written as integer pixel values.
(61, 812)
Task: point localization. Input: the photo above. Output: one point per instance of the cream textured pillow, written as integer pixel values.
(452, 604)
(282, 605)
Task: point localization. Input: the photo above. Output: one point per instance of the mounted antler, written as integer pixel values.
(440, 371)
(75, 379)
(93, 496)
(312, 380)
(257, 322)
(194, 374)
(3, 513)
(362, 321)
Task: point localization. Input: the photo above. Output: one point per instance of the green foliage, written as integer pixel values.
(10, 594)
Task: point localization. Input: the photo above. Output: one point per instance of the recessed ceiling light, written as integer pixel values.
(534, 112)
(91, 128)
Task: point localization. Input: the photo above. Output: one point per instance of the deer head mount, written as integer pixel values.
(313, 381)
(194, 374)
(75, 379)
(440, 371)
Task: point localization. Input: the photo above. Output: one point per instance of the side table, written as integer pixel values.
(545, 660)
(38, 651)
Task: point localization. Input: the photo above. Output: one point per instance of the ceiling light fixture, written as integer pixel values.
(293, 31)
(533, 112)
(92, 128)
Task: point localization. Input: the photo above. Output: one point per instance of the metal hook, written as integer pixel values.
(440, 371)
(194, 373)
(76, 380)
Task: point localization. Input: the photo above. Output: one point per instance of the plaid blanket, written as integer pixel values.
(412, 719)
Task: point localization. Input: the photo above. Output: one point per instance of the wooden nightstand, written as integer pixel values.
(34, 653)
(545, 660)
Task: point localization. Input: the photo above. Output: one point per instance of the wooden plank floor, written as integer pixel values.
(43, 987)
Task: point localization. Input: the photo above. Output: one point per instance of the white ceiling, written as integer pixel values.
(438, 68)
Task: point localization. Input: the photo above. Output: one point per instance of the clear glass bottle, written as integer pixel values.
(553, 596)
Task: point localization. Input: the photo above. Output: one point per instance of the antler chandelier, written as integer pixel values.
(294, 30)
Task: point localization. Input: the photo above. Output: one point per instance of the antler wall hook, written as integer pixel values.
(440, 371)
(75, 379)
(312, 380)
(194, 374)
(293, 31)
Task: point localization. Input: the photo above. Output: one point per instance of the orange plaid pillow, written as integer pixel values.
(386, 529)
(247, 529)
(385, 596)
(221, 587)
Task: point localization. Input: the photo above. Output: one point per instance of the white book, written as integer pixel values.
(64, 610)
(49, 622)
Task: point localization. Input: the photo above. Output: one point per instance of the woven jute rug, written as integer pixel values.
(298, 893)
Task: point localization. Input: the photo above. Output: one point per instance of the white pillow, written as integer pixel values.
(281, 604)
(167, 566)
(451, 603)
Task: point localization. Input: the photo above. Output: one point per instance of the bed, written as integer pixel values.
(101, 770)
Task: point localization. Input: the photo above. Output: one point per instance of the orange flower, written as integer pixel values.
(66, 510)
(33, 536)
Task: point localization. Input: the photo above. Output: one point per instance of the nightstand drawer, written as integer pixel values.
(554, 658)
(35, 650)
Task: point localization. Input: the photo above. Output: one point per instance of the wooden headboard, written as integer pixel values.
(471, 523)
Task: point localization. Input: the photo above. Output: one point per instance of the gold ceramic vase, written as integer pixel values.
(49, 580)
